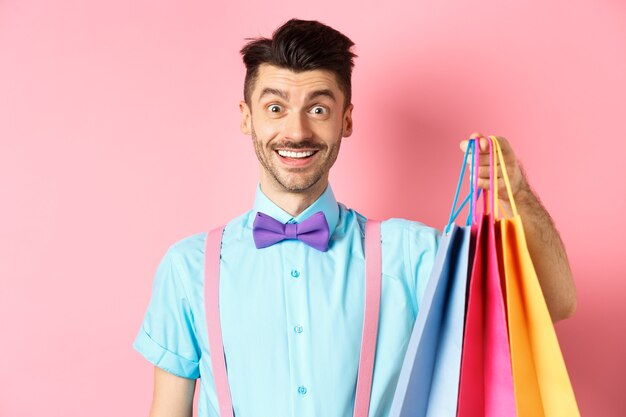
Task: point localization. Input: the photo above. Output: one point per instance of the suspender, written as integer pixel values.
(214, 329)
(373, 274)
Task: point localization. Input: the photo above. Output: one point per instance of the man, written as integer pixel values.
(291, 314)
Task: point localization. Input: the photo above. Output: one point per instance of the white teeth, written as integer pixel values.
(291, 154)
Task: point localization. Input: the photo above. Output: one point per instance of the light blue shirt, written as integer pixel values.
(291, 315)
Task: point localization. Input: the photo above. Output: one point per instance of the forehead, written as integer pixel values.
(295, 83)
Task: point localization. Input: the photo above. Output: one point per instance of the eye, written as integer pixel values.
(274, 108)
(319, 110)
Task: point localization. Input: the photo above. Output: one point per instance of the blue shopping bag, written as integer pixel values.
(429, 377)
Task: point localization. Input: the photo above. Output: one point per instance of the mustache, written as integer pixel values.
(297, 145)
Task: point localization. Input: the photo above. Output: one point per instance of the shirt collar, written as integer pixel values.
(325, 203)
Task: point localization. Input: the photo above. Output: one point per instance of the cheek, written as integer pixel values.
(265, 129)
(330, 129)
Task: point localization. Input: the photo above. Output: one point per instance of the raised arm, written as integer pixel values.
(544, 243)
(173, 395)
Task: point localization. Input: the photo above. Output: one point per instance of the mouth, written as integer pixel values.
(296, 157)
(295, 154)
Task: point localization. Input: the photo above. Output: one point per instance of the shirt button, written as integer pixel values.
(298, 329)
(295, 273)
(302, 390)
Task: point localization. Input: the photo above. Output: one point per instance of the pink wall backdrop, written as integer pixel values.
(119, 135)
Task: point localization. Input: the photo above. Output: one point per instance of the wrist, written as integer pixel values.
(524, 193)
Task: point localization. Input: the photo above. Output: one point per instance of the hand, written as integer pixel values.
(516, 175)
(544, 243)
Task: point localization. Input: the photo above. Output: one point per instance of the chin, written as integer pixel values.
(301, 186)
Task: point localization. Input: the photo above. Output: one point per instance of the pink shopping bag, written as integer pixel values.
(486, 382)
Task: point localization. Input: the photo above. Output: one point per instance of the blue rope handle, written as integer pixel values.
(454, 213)
(473, 180)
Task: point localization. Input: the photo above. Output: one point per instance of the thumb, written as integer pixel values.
(483, 143)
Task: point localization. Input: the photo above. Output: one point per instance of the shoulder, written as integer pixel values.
(182, 251)
(410, 237)
(392, 228)
(397, 228)
(194, 245)
(187, 244)
(395, 231)
(182, 262)
(186, 255)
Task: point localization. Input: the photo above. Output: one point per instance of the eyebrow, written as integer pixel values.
(285, 96)
(322, 93)
(274, 91)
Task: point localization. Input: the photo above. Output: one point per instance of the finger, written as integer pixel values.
(504, 143)
(486, 185)
(483, 159)
(483, 145)
(507, 149)
(464, 143)
(483, 183)
(476, 135)
(510, 160)
(485, 172)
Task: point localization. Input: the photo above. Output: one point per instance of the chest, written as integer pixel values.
(292, 291)
(293, 317)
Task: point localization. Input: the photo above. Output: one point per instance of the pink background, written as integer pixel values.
(119, 135)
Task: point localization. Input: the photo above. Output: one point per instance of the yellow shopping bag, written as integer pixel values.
(542, 386)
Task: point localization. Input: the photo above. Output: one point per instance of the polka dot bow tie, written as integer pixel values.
(313, 231)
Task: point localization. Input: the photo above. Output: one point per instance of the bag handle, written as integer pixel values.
(476, 165)
(493, 181)
(494, 202)
(505, 176)
(454, 212)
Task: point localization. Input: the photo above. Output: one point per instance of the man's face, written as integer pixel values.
(296, 121)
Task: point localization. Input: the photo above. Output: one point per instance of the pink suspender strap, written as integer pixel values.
(373, 276)
(214, 329)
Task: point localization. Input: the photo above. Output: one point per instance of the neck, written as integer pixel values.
(294, 203)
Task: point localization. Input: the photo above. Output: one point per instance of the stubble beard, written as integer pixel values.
(296, 181)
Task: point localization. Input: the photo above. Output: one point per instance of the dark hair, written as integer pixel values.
(301, 45)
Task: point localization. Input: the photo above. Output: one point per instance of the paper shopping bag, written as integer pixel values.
(486, 382)
(429, 377)
(542, 385)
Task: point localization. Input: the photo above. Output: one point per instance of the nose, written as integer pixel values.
(297, 127)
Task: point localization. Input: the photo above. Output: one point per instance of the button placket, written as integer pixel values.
(299, 349)
(298, 327)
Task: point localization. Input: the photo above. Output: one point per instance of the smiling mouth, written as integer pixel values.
(295, 154)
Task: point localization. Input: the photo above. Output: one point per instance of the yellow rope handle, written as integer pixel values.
(505, 175)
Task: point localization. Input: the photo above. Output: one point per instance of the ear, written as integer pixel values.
(347, 121)
(246, 118)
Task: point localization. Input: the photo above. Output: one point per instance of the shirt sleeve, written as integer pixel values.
(167, 336)
(412, 248)
(423, 243)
